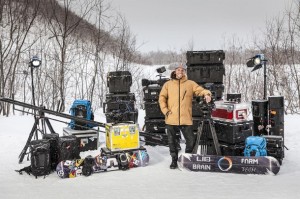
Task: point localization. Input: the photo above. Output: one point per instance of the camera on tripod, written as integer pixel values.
(160, 81)
(206, 107)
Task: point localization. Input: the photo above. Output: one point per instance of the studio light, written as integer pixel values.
(35, 62)
(257, 62)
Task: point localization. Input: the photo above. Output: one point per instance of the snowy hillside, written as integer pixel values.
(154, 181)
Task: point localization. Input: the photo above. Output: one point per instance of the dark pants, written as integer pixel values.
(188, 135)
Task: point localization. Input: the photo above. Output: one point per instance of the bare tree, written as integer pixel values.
(16, 20)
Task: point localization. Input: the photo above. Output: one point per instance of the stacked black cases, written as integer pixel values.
(206, 68)
(275, 147)
(154, 119)
(120, 103)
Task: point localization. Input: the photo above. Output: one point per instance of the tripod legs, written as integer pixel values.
(33, 130)
(214, 136)
(199, 134)
(23, 152)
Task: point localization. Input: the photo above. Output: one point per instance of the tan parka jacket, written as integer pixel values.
(175, 99)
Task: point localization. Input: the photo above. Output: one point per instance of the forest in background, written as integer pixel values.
(79, 49)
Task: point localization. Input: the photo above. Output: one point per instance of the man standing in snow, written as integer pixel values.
(175, 100)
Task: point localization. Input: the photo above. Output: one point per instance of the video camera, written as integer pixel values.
(206, 108)
(160, 81)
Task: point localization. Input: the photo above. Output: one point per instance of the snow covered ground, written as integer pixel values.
(154, 181)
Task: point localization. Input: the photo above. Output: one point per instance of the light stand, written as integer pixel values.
(257, 62)
(35, 62)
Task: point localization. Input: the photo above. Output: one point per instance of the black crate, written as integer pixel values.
(153, 139)
(121, 106)
(117, 117)
(152, 110)
(111, 97)
(205, 57)
(206, 74)
(233, 133)
(215, 89)
(155, 125)
(234, 97)
(232, 149)
(274, 141)
(87, 139)
(119, 81)
(277, 153)
(151, 92)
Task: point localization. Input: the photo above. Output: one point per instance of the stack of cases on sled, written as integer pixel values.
(87, 137)
(233, 124)
(154, 118)
(207, 69)
(120, 103)
(122, 130)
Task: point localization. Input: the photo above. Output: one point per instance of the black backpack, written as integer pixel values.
(68, 148)
(40, 157)
(54, 153)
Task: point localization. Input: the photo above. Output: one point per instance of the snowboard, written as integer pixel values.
(229, 164)
(105, 161)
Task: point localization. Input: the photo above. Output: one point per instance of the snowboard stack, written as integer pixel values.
(122, 152)
(120, 103)
(154, 129)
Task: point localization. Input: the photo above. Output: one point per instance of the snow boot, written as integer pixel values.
(174, 163)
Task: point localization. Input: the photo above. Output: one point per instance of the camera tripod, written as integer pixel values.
(207, 120)
(34, 131)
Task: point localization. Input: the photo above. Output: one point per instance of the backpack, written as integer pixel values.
(40, 157)
(68, 147)
(83, 109)
(255, 146)
(54, 153)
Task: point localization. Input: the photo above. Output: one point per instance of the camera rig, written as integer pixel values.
(39, 113)
(206, 120)
(160, 81)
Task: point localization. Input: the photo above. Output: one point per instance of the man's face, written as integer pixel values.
(179, 73)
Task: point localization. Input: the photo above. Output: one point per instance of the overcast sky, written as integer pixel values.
(171, 24)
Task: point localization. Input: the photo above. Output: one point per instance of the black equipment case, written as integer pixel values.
(151, 92)
(68, 148)
(87, 139)
(119, 116)
(155, 125)
(54, 154)
(206, 74)
(233, 132)
(111, 97)
(121, 106)
(119, 81)
(152, 110)
(227, 149)
(205, 57)
(153, 139)
(275, 146)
